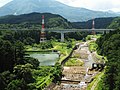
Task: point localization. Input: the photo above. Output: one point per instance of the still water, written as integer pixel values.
(45, 59)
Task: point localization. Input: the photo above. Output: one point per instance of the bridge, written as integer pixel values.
(63, 31)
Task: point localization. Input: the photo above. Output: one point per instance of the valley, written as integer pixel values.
(78, 77)
(48, 45)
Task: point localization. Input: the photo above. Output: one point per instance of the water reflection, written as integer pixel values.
(45, 59)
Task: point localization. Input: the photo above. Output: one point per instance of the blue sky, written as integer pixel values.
(101, 5)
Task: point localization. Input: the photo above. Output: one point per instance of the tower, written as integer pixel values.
(93, 27)
(43, 34)
(93, 24)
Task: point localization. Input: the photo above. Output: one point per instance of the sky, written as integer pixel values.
(98, 5)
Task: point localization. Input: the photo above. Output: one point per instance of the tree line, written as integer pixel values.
(109, 46)
(18, 72)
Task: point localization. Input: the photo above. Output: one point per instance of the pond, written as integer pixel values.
(45, 59)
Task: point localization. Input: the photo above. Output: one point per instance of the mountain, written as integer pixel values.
(17, 7)
(99, 23)
(53, 21)
(28, 20)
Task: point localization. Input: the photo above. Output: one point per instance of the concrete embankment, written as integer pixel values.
(66, 59)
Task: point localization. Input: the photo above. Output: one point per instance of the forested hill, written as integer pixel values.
(115, 24)
(109, 46)
(99, 23)
(51, 20)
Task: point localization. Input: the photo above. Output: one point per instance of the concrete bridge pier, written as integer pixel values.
(62, 36)
(104, 32)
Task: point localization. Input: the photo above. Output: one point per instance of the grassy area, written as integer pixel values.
(92, 46)
(95, 83)
(34, 47)
(100, 58)
(96, 36)
(74, 62)
(63, 48)
(43, 82)
(44, 75)
(89, 37)
(99, 85)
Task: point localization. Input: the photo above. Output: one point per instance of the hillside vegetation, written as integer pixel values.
(19, 72)
(99, 23)
(34, 20)
(109, 46)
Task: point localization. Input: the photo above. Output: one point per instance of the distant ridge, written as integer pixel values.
(54, 21)
(51, 20)
(99, 23)
(17, 7)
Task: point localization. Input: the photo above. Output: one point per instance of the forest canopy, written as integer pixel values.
(109, 46)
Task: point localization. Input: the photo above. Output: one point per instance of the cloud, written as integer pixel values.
(3, 2)
(102, 5)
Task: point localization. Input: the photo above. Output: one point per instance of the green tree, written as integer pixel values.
(24, 72)
(5, 78)
(57, 73)
(6, 56)
(19, 52)
(32, 61)
(109, 45)
(17, 85)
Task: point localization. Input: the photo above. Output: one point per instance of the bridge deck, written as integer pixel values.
(60, 30)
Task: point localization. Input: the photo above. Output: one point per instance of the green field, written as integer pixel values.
(74, 62)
